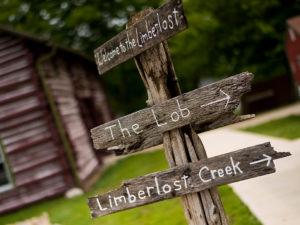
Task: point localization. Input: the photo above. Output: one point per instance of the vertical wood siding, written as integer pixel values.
(59, 80)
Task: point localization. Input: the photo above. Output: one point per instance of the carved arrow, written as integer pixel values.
(227, 99)
(267, 158)
(191, 177)
(139, 130)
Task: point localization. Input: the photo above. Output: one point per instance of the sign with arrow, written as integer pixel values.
(193, 177)
(175, 122)
(266, 158)
(226, 99)
(202, 104)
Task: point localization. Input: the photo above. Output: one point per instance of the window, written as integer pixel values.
(6, 181)
(298, 60)
(292, 34)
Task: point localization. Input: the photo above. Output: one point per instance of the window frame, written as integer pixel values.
(7, 169)
(298, 61)
(292, 34)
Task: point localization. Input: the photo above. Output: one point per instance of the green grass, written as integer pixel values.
(287, 127)
(75, 211)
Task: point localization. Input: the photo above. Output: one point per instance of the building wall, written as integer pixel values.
(30, 141)
(59, 80)
(33, 143)
(293, 52)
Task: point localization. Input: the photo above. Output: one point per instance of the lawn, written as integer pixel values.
(287, 127)
(75, 211)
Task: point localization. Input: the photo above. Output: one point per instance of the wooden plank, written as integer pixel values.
(157, 26)
(11, 51)
(18, 121)
(14, 66)
(193, 177)
(157, 139)
(22, 91)
(15, 78)
(200, 105)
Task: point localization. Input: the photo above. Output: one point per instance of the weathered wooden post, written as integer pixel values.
(181, 145)
(173, 119)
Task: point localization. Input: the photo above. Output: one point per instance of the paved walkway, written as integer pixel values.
(275, 198)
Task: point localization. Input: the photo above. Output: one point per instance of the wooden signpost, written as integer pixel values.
(135, 131)
(154, 28)
(192, 177)
(173, 119)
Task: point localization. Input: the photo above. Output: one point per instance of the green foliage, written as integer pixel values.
(287, 127)
(224, 37)
(75, 211)
(229, 37)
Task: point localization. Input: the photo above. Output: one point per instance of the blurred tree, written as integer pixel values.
(224, 37)
(84, 25)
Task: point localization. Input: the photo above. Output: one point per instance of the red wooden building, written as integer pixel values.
(49, 99)
(293, 46)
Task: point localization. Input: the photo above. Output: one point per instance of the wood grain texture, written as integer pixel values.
(223, 169)
(158, 74)
(187, 108)
(157, 26)
(157, 139)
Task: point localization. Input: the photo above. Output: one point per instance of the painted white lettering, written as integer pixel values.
(175, 12)
(135, 128)
(166, 188)
(149, 190)
(120, 199)
(104, 55)
(124, 129)
(98, 59)
(153, 31)
(171, 24)
(165, 25)
(212, 172)
(200, 174)
(157, 28)
(157, 123)
(228, 170)
(99, 205)
(148, 31)
(111, 132)
(129, 43)
(177, 185)
(186, 110)
(144, 38)
(122, 47)
(159, 22)
(131, 198)
(133, 43)
(175, 116)
(221, 172)
(141, 194)
(157, 185)
(110, 202)
(185, 180)
(137, 39)
(235, 166)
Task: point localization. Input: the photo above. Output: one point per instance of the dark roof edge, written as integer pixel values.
(290, 22)
(44, 41)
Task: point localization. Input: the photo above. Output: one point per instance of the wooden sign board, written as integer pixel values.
(198, 126)
(203, 104)
(159, 25)
(193, 177)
